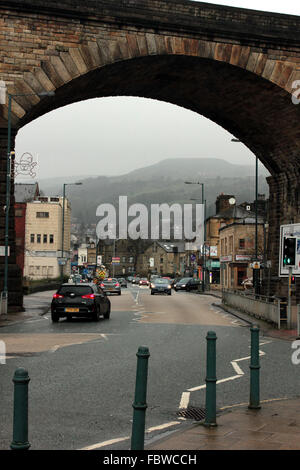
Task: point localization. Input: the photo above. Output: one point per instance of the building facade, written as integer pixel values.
(237, 241)
(24, 193)
(45, 255)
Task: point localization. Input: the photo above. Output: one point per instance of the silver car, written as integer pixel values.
(111, 286)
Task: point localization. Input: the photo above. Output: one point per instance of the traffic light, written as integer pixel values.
(289, 251)
(293, 280)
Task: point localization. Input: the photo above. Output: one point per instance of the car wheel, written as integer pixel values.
(119, 293)
(152, 293)
(170, 293)
(54, 317)
(107, 314)
(96, 316)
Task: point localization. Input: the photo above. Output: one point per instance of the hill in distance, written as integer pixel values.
(163, 182)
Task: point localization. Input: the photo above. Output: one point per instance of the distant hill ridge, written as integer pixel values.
(163, 182)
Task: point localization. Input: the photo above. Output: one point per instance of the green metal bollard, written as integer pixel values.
(211, 380)
(254, 369)
(140, 405)
(20, 423)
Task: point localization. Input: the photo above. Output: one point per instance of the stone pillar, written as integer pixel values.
(15, 295)
(284, 209)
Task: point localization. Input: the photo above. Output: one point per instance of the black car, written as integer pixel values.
(161, 286)
(193, 284)
(181, 285)
(80, 300)
(187, 284)
(176, 280)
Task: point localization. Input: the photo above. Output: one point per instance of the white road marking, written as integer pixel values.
(162, 426)
(184, 403)
(185, 397)
(121, 439)
(237, 368)
(105, 443)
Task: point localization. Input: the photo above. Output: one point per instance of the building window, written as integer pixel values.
(45, 237)
(19, 241)
(242, 244)
(131, 259)
(37, 270)
(123, 259)
(50, 271)
(18, 212)
(51, 238)
(42, 215)
(32, 238)
(44, 270)
(231, 244)
(31, 270)
(38, 238)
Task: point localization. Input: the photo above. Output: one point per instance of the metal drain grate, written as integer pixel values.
(198, 414)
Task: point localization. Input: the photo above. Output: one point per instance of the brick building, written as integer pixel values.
(24, 193)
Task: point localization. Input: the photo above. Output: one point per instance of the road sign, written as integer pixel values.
(255, 265)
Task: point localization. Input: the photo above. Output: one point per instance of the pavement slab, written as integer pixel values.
(276, 426)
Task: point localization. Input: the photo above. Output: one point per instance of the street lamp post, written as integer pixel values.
(10, 156)
(255, 271)
(204, 246)
(63, 225)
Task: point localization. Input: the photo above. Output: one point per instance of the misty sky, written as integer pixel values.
(80, 139)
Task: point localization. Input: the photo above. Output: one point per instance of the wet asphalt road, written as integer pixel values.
(83, 373)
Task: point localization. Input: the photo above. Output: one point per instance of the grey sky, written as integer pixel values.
(80, 139)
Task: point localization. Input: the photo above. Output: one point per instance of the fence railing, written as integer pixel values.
(270, 309)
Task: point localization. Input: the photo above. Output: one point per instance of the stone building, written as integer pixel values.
(125, 254)
(165, 258)
(43, 238)
(229, 214)
(237, 250)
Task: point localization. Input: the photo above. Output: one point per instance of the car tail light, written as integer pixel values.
(88, 296)
(102, 285)
(58, 296)
(117, 284)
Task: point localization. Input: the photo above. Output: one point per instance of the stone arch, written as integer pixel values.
(245, 89)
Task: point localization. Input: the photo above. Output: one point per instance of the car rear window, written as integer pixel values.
(77, 290)
(161, 281)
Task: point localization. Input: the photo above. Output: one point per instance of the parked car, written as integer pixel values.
(129, 278)
(80, 300)
(144, 282)
(136, 280)
(111, 285)
(161, 286)
(181, 285)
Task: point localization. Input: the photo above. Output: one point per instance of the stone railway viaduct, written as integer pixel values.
(234, 66)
